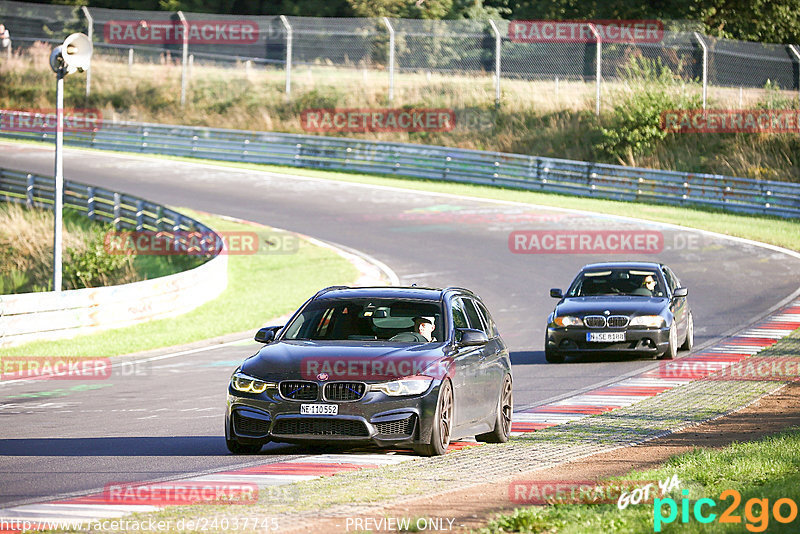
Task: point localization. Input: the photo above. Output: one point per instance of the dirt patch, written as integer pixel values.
(471, 508)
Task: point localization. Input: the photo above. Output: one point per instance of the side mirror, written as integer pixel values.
(265, 335)
(556, 293)
(472, 338)
(680, 292)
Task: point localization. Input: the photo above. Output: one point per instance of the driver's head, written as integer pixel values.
(649, 282)
(425, 326)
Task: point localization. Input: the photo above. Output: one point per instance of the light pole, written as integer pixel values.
(74, 55)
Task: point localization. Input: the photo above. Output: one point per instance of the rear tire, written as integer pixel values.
(502, 424)
(442, 424)
(688, 341)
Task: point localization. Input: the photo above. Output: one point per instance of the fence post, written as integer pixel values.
(391, 57)
(184, 57)
(599, 72)
(29, 190)
(90, 203)
(498, 43)
(796, 55)
(130, 60)
(289, 36)
(90, 33)
(117, 210)
(705, 66)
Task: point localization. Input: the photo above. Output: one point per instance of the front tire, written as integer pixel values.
(672, 349)
(442, 424)
(553, 356)
(502, 425)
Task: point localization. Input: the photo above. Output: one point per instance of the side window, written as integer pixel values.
(459, 317)
(674, 278)
(490, 325)
(472, 314)
(670, 279)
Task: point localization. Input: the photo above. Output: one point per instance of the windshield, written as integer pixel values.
(634, 282)
(366, 320)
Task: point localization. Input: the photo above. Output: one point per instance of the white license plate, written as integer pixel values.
(605, 336)
(319, 409)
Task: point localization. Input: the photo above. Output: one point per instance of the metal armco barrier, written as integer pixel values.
(534, 173)
(49, 315)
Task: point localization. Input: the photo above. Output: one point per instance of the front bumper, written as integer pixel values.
(375, 419)
(572, 341)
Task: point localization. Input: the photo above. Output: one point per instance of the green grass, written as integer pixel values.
(260, 287)
(763, 469)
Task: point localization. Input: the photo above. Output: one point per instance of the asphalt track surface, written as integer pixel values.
(163, 419)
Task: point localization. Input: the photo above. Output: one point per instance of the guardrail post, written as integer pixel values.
(599, 70)
(139, 215)
(177, 226)
(184, 57)
(796, 55)
(130, 60)
(288, 28)
(90, 203)
(159, 218)
(704, 47)
(29, 190)
(498, 43)
(388, 25)
(117, 210)
(90, 27)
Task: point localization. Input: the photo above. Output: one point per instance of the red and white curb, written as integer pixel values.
(626, 392)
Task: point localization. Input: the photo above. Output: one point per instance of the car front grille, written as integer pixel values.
(594, 321)
(401, 427)
(299, 390)
(344, 391)
(320, 427)
(249, 425)
(618, 321)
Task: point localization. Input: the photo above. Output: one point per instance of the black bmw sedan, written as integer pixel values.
(633, 308)
(390, 366)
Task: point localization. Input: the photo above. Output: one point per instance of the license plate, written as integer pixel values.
(319, 409)
(605, 336)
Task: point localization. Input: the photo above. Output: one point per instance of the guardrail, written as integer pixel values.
(49, 315)
(535, 173)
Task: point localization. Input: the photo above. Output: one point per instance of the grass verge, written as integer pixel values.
(765, 471)
(259, 288)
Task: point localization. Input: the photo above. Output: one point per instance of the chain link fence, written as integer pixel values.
(398, 52)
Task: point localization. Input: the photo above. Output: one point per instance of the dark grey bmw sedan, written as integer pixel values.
(389, 366)
(634, 308)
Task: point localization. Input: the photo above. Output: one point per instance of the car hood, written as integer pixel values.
(344, 360)
(617, 305)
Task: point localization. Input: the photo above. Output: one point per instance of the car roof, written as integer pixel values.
(622, 265)
(421, 293)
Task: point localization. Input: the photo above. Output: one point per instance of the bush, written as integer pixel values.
(90, 265)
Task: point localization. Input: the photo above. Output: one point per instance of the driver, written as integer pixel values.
(648, 287)
(423, 331)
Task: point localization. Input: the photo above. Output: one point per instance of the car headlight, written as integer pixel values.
(568, 320)
(248, 384)
(410, 385)
(650, 321)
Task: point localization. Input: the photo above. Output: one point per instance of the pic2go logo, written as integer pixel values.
(756, 511)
